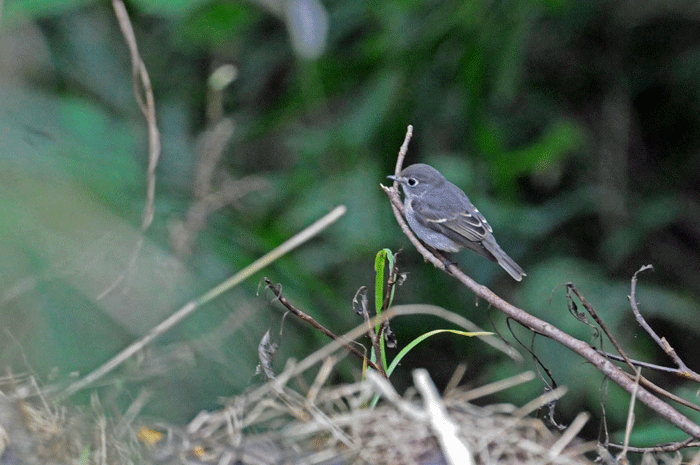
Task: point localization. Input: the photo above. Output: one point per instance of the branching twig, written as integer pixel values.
(661, 341)
(310, 320)
(591, 311)
(582, 348)
(648, 384)
(633, 363)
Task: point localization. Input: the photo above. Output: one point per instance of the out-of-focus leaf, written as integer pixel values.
(557, 142)
(33, 9)
(645, 219)
(370, 109)
(358, 189)
(215, 22)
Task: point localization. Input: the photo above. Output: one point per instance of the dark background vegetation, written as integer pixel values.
(573, 126)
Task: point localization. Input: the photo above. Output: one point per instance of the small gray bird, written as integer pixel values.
(442, 216)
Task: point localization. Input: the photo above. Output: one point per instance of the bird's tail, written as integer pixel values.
(504, 260)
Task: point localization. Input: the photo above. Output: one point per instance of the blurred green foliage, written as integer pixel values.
(572, 125)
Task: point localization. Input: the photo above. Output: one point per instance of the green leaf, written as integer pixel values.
(379, 280)
(379, 266)
(169, 7)
(425, 336)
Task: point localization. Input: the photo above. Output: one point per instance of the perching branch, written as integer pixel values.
(535, 324)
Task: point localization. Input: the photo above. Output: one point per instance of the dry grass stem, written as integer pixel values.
(285, 426)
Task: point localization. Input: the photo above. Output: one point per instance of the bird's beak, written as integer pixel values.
(394, 178)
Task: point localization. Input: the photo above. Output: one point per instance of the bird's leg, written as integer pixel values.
(446, 261)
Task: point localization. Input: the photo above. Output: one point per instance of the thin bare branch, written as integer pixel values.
(685, 372)
(310, 320)
(144, 96)
(591, 311)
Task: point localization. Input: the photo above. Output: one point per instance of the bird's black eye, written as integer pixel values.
(412, 182)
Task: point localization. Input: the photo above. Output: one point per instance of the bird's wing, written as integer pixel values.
(467, 224)
(467, 227)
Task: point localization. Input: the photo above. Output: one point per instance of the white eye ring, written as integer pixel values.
(412, 182)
